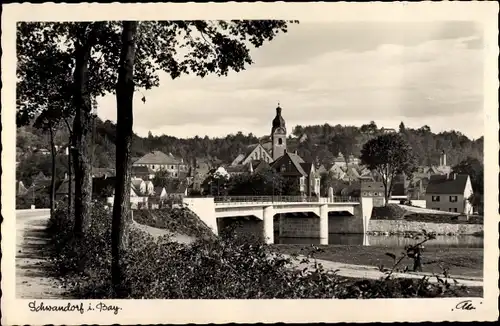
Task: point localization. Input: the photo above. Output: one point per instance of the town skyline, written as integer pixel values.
(387, 72)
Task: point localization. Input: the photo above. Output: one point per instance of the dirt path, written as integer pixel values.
(372, 272)
(32, 274)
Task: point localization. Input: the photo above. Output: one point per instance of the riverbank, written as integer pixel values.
(463, 262)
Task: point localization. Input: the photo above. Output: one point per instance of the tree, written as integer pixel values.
(124, 108)
(54, 57)
(42, 90)
(48, 121)
(402, 128)
(389, 155)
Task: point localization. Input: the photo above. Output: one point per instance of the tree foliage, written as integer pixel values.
(390, 155)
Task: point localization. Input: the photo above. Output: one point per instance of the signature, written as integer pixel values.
(465, 305)
(70, 307)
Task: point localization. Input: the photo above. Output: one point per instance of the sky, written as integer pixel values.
(348, 73)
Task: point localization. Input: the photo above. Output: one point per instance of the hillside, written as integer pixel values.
(318, 145)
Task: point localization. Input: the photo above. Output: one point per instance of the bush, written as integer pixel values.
(176, 220)
(229, 267)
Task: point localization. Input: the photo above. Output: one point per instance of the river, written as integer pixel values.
(464, 241)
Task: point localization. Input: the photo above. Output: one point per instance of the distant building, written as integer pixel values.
(252, 153)
(142, 172)
(375, 190)
(102, 172)
(388, 130)
(292, 167)
(159, 161)
(449, 193)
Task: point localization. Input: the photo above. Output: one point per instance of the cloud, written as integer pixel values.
(435, 74)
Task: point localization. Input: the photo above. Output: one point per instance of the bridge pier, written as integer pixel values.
(268, 228)
(323, 224)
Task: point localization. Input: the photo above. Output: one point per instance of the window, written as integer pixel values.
(435, 198)
(283, 168)
(364, 194)
(153, 167)
(453, 199)
(280, 141)
(302, 181)
(453, 210)
(375, 193)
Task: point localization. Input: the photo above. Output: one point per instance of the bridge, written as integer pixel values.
(264, 208)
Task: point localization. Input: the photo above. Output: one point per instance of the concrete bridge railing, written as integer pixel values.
(237, 200)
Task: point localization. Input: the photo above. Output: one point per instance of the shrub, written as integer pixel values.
(176, 220)
(220, 268)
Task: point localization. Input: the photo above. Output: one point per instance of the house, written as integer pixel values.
(336, 171)
(102, 172)
(160, 192)
(238, 169)
(292, 167)
(21, 190)
(176, 190)
(449, 193)
(388, 130)
(142, 172)
(340, 160)
(159, 161)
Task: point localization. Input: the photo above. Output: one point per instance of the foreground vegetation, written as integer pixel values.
(225, 267)
(465, 262)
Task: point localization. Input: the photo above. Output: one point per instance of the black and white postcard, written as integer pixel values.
(187, 163)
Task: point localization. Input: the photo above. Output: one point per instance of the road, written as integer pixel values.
(32, 275)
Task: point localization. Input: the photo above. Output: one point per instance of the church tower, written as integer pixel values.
(278, 135)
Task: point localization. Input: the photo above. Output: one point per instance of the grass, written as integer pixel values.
(460, 261)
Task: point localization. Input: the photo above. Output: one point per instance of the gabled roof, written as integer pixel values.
(443, 184)
(259, 165)
(295, 159)
(136, 183)
(175, 187)
(158, 190)
(157, 157)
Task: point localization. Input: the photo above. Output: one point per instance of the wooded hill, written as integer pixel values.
(322, 143)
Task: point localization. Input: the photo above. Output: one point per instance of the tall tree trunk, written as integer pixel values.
(82, 125)
(81, 130)
(53, 172)
(124, 111)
